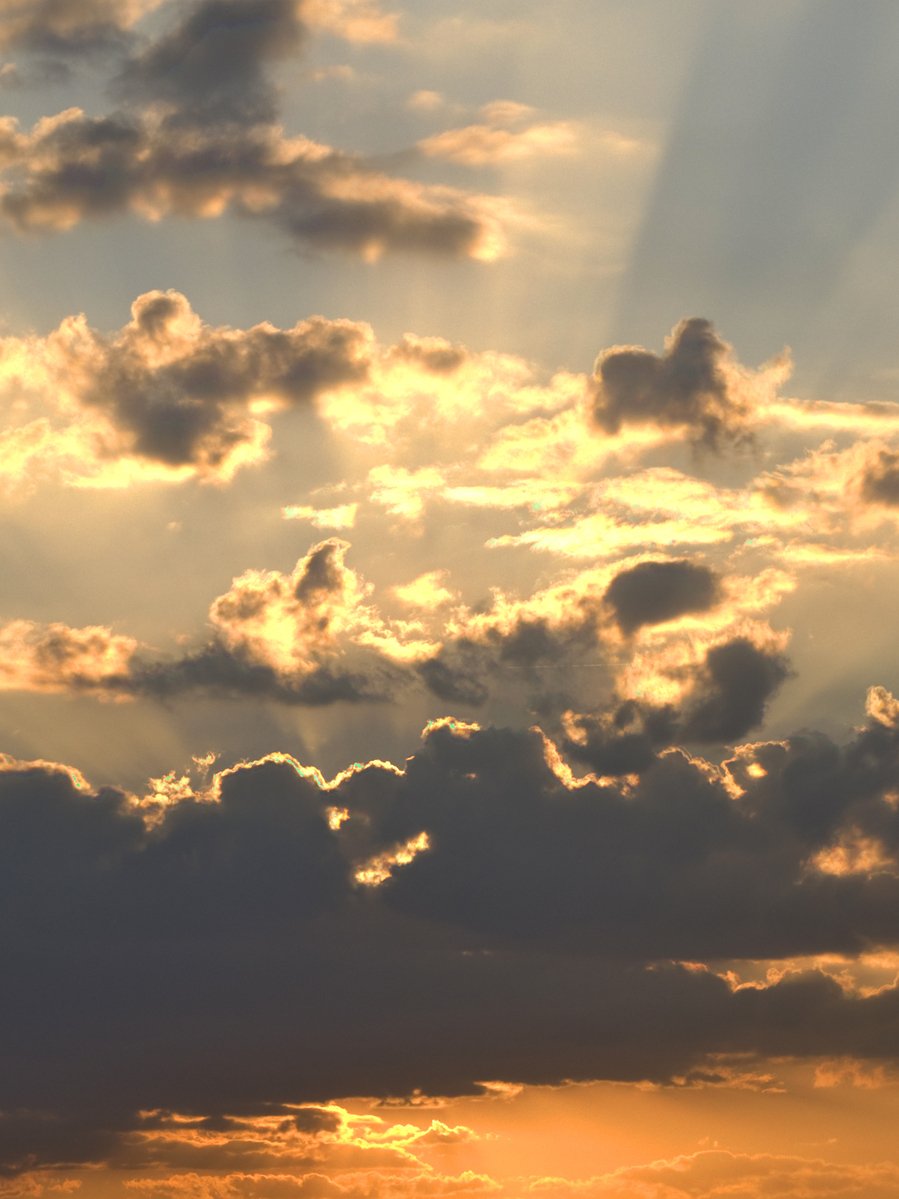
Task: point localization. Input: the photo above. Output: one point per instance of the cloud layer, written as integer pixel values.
(478, 914)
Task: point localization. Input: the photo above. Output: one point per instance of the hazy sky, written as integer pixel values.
(449, 466)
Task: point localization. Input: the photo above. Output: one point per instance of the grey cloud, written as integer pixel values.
(515, 947)
(322, 573)
(880, 480)
(433, 353)
(623, 741)
(457, 675)
(691, 385)
(211, 66)
(734, 686)
(464, 669)
(192, 408)
(66, 27)
(168, 389)
(652, 592)
(216, 670)
(727, 697)
(75, 168)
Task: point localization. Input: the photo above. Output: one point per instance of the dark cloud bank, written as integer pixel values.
(223, 959)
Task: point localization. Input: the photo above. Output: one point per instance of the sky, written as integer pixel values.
(449, 476)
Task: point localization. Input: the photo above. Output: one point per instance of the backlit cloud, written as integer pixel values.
(72, 167)
(69, 26)
(580, 893)
(695, 386)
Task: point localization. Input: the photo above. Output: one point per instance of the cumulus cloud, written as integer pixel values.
(69, 26)
(211, 65)
(880, 481)
(310, 637)
(694, 386)
(736, 682)
(55, 657)
(72, 167)
(653, 592)
(532, 926)
(722, 698)
(199, 134)
(168, 396)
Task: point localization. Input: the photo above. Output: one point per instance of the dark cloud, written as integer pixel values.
(623, 741)
(322, 572)
(734, 686)
(693, 385)
(67, 27)
(652, 592)
(433, 353)
(880, 480)
(726, 698)
(465, 667)
(180, 392)
(211, 66)
(217, 670)
(221, 959)
(74, 168)
(516, 946)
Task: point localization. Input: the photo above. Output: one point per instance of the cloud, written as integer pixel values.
(720, 1173)
(653, 592)
(291, 622)
(355, 20)
(342, 516)
(72, 167)
(694, 386)
(167, 396)
(492, 143)
(308, 637)
(211, 66)
(718, 699)
(55, 657)
(535, 928)
(880, 482)
(63, 27)
(736, 683)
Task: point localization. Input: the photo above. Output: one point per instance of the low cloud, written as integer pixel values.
(69, 27)
(695, 386)
(72, 167)
(720, 1173)
(507, 135)
(211, 67)
(880, 481)
(653, 592)
(311, 637)
(167, 396)
(54, 657)
(734, 686)
(535, 925)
